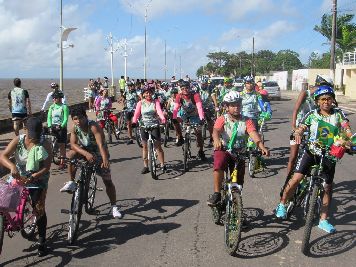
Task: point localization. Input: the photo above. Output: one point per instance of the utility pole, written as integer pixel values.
(61, 53)
(180, 66)
(333, 40)
(165, 60)
(253, 58)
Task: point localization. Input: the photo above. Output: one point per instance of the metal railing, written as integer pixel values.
(349, 58)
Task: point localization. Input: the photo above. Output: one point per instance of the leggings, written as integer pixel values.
(38, 197)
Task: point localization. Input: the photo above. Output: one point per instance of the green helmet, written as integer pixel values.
(227, 80)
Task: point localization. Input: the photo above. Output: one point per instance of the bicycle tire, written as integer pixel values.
(252, 165)
(138, 136)
(29, 221)
(75, 213)
(166, 134)
(108, 132)
(152, 160)
(55, 152)
(203, 129)
(90, 191)
(2, 230)
(114, 130)
(233, 222)
(185, 153)
(309, 220)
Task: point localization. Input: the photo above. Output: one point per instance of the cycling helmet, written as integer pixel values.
(324, 90)
(320, 80)
(106, 78)
(57, 94)
(227, 80)
(54, 85)
(174, 90)
(232, 97)
(147, 87)
(249, 79)
(185, 84)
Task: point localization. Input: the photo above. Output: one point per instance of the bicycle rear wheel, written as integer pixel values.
(108, 132)
(309, 220)
(185, 153)
(152, 160)
(114, 130)
(2, 229)
(55, 152)
(75, 212)
(29, 221)
(121, 122)
(203, 129)
(90, 191)
(138, 136)
(233, 222)
(166, 134)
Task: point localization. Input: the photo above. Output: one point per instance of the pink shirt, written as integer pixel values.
(198, 104)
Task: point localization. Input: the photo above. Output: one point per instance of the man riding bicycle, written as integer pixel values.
(231, 131)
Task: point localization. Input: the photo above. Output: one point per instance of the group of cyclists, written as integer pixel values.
(231, 116)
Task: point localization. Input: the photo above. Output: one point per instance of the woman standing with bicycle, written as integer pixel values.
(57, 120)
(33, 157)
(330, 117)
(151, 112)
(103, 104)
(231, 131)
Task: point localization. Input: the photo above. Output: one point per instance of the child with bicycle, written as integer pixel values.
(323, 124)
(33, 157)
(87, 141)
(231, 131)
(103, 104)
(150, 111)
(57, 120)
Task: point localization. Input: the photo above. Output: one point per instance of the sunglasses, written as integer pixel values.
(326, 99)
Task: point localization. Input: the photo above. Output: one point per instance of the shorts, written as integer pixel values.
(307, 160)
(104, 173)
(60, 134)
(223, 161)
(191, 119)
(129, 115)
(156, 134)
(18, 119)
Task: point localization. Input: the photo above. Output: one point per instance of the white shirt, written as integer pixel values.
(49, 97)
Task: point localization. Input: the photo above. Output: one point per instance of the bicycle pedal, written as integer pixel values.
(65, 211)
(99, 189)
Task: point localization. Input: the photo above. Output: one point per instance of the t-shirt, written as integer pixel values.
(220, 121)
(18, 97)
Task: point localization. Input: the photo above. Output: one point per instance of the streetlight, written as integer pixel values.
(145, 56)
(112, 51)
(63, 38)
(125, 54)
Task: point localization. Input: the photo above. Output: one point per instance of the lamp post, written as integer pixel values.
(112, 51)
(145, 56)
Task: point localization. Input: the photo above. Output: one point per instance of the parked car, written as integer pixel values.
(239, 84)
(273, 89)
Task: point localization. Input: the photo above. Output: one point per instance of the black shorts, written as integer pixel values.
(61, 135)
(156, 134)
(307, 160)
(129, 115)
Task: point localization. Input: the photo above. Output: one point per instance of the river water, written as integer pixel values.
(38, 90)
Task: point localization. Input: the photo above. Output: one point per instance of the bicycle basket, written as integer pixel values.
(10, 196)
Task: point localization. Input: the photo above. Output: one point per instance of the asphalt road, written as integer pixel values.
(167, 222)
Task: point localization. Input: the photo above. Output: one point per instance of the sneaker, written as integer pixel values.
(281, 212)
(69, 187)
(326, 226)
(201, 155)
(214, 199)
(180, 141)
(130, 142)
(116, 212)
(42, 250)
(145, 170)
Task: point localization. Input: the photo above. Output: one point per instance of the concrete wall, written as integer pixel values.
(350, 82)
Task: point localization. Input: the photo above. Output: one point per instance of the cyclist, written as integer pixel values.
(233, 123)
(103, 104)
(192, 110)
(19, 105)
(91, 94)
(220, 91)
(131, 97)
(57, 119)
(150, 110)
(208, 107)
(55, 88)
(87, 140)
(331, 118)
(33, 157)
(264, 95)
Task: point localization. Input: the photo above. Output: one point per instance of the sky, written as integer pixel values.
(30, 32)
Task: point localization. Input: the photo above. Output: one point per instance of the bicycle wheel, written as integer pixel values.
(108, 132)
(233, 221)
(185, 153)
(75, 212)
(29, 221)
(138, 136)
(90, 192)
(252, 165)
(203, 129)
(121, 122)
(309, 220)
(114, 130)
(2, 229)
(166, 134)
(55, 152)
(152, 160)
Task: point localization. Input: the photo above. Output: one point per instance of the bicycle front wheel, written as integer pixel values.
(91, 190)
(309, 220)
(166, 134)
(233, 222)
(138, 136)
(2, 229)
(75, 213)
(29, 220)
(108, 132)
(252, 165)
(152, 160)
(55, 152)
(185, 153)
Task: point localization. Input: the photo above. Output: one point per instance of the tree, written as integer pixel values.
(286, 60)
(317, 61)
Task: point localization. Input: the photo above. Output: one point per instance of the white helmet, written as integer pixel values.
(232, 97)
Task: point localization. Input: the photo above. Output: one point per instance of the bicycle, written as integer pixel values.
(231, 205)
(188, 129)
(84, 194)
(23, 221)
(52, 135)
(152, 153)
(109, 125)
(121, 117)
